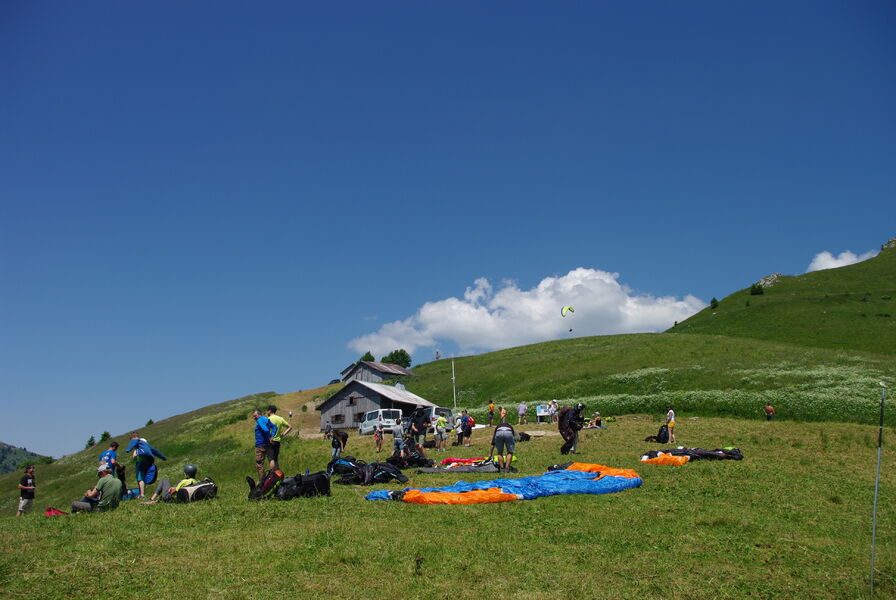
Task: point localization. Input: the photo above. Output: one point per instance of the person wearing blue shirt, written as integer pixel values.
(110, 456)
(145, 458)
(264, 432)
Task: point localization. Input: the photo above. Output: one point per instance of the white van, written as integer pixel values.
(387, 416)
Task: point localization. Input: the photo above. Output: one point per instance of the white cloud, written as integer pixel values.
(489, 319)
(826, 260)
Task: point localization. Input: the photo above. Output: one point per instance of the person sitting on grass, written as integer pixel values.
(168, 493)
(504, 441)
(105, 496)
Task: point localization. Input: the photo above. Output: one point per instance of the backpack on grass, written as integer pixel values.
(305, 486)
(662, 436)
(267, 487)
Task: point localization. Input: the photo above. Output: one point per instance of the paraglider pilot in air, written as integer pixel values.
(571, 421)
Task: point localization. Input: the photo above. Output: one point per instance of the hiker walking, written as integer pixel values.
(264, 433)
(26, 491)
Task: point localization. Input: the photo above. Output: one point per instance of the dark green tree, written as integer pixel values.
(150, 422)
(398, 357)
(105, 436)
(368, 356)
(756, 290)
(91, 442)
(713, 304)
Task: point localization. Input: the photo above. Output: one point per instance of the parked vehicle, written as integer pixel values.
(386, 416)
(433, 414)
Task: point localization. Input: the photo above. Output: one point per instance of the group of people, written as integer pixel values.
(111, 485)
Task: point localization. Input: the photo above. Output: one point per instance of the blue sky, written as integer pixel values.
(203, 200)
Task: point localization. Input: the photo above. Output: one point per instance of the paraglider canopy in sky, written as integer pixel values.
(566, 310)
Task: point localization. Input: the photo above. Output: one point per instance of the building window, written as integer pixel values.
(351, 400)
(338, 419)
(359, 417)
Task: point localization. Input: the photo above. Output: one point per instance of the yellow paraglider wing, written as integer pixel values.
(565, 310)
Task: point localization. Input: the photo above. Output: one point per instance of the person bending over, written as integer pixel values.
(504, 442)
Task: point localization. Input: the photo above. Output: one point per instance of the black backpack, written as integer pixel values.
(204, 490)
(305, 486)
(265, 488)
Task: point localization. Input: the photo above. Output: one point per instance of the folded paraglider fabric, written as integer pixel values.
(576, 478)
(669, 456)
(666, 460)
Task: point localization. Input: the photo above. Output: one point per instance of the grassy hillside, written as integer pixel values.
(698, 374)
(851, 308)
(790, 521)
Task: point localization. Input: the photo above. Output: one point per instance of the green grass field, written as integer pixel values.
(791, 520)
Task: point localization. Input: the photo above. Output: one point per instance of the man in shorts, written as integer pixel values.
(264, 433)
(670, 423)
(491, 413)
(283, 429)
(419, 424)
(504, 442)
(26, 491)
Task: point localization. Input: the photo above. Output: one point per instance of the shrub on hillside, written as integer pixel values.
(714, 304)
(756, 290)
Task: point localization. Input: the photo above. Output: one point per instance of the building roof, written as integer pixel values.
(387, 368)
(387, 391)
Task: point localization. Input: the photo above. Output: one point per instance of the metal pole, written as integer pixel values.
(453, 385)
(880, 442)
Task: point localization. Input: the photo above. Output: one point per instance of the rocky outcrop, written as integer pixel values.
(769, 280)
(891, 243)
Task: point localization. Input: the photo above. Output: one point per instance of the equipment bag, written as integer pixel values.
(204, 490)
(267, 487)
(662, 436)
(305, 486)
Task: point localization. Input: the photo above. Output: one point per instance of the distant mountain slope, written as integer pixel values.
(11, 458)
(850, 308)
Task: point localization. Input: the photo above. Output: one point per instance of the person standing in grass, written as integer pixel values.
(378, 435)
(521, 413)
(264, 433)
(769, 411)
(504, 442)
(466, 422)
(670, 423)
(491, 413)
(283, 429)
(398, 439)
(441, 428)
(26, 491)
(110, 456)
